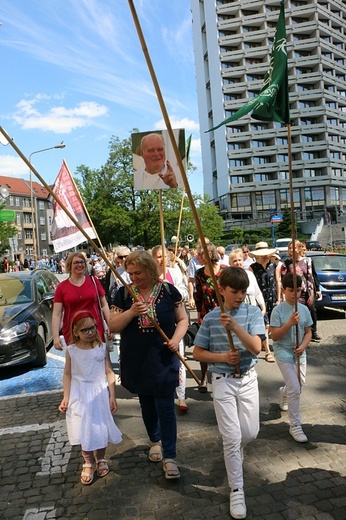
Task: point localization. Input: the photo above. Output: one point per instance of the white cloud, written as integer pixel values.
(56, 119)
(12, 166)
(184, 122)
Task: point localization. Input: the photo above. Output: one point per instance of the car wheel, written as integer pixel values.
(41, 354)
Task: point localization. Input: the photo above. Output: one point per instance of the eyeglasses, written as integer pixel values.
(246, 251)
(88, 330)
(78, 263)
(122, 256)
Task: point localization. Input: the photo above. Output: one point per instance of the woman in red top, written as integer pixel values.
(77, 293)
(205, 296)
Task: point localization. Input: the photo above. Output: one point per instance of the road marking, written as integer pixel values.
(56, 357)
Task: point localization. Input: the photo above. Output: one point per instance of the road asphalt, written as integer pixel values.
(284, 480)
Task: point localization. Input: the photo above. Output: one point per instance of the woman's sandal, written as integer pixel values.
(155, 452)
(85, 475)
(170, 469)
(203, 387)
(102, 468)
(269, 357)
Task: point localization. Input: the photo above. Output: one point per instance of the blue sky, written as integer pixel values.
(74, 71)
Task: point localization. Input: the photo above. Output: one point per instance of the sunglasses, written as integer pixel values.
(246, 251)
(78, 263)
(88, 330)
(121, 257)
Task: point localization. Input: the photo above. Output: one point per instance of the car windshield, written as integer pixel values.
(329, 263)
(14, 291)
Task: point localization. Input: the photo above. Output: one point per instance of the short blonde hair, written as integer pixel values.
(146, 261)
(70, 258)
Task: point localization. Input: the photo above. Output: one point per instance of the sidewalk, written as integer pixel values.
(283, 480)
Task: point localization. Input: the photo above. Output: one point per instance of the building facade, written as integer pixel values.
(245, 163)
(28, 218)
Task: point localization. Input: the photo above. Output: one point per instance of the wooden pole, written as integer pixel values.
(93, 244)
(180, 164)
(294, 253)
(162, 233)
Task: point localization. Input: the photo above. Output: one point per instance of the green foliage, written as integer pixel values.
(7, 230)
(246, 236)
(124, 215)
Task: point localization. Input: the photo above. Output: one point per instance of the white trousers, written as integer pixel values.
(180, 390)
(292, 389)
(236, 405)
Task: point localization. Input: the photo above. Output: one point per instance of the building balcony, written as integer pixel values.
(28, 241)
(27, 225)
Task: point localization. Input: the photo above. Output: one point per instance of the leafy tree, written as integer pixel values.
(7, 230)
(124, 215)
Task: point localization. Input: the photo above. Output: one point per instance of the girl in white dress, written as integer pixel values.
(87, 401)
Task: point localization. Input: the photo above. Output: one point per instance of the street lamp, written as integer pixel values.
(61, 145)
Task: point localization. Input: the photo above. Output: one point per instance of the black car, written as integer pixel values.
(26, 306)
(331, 272)
(313, 245)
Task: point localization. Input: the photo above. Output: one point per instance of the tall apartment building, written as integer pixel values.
(245, 164)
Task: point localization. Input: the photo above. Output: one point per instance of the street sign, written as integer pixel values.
(7, 215)
(276, 219)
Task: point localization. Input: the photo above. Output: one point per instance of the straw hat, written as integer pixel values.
(262, 249)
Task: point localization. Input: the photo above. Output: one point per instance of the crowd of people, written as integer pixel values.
(143, 300)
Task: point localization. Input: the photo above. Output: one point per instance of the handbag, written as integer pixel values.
(109, 342)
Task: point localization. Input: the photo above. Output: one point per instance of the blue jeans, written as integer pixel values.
(160, 421)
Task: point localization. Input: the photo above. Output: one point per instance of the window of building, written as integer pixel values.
(261, 177)
(19, 235)
(240, 201)
(237, 162)
(256, 143)
(283, 157)
(18, 219)
(27, 218)
(334, 195)
(306, 138)
(43, 236)
(261, 160)
(283, 175)
(11, 201)
(314, 195)
(237, 179)
(17, 202)
(42, 221)
(281, 141)
(26, 203)
(40, 204)
(336, 172)
(310, 155)
(28, 234)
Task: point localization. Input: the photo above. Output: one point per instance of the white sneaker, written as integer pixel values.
(298, 434)
(237, 504)
(283, 400)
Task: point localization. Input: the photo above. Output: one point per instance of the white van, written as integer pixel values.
(282, 244)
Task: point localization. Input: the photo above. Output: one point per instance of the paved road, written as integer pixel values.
(284, 480)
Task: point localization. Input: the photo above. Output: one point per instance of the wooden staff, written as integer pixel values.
(92, 243)
(162, 233)
(180, 164)
(294, 253)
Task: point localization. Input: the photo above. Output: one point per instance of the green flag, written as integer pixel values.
(272, 103)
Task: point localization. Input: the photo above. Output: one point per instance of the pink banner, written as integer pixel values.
(65, 235)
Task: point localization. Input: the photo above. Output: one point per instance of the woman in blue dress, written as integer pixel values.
(149, 366)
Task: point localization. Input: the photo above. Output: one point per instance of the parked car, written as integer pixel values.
(26, 306)
(338, 244)
(313, 245)
(282, 244)
(331, 272)
(230, 248)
